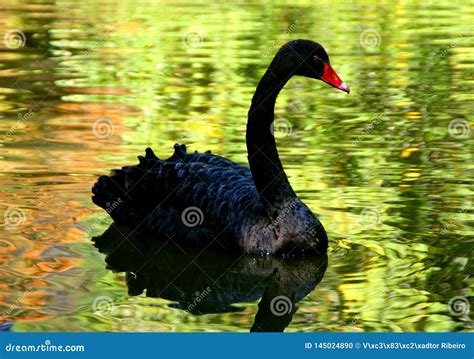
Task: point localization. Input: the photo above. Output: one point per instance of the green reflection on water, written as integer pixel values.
(388, 169)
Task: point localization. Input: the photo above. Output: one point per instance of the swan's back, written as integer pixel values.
(199, 198)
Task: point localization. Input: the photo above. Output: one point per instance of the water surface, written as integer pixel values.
(87, 86)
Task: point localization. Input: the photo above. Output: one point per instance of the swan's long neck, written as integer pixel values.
(267, 171)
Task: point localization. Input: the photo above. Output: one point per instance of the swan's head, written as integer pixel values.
(309, 59)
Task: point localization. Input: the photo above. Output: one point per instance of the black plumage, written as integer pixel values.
(205, 200)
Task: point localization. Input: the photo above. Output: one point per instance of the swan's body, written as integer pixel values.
(209, 201)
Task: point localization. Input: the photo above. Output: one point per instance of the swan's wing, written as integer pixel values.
(191, 197)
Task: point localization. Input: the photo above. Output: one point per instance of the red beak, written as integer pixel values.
(330, 77)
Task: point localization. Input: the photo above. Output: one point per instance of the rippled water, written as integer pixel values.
(86, 86)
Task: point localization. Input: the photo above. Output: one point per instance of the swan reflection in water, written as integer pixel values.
(204, 282)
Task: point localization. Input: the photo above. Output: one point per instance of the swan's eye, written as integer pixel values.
(317, 58)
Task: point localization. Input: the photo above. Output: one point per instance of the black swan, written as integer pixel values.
(205, 200)
(206, 282)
